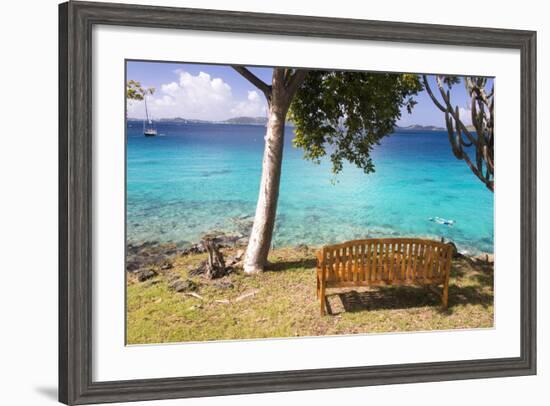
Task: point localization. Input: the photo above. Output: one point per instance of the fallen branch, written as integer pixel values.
(246, 295)
(196, 295)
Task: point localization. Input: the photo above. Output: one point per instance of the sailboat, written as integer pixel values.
(149, 129)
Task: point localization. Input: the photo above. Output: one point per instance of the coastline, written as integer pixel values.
(141, 254)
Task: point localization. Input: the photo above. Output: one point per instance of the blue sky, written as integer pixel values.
(217, 92)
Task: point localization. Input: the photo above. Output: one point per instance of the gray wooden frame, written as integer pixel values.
(76, 20)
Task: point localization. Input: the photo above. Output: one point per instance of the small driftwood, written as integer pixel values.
(214, 267)
(247, 295)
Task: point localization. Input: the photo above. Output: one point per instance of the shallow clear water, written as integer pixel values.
(195, 178)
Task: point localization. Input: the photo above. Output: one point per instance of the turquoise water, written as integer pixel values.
(195, 178)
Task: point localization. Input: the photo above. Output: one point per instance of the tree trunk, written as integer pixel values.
(266, 208)
(284, 85)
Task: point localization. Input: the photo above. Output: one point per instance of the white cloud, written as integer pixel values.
(198, 97)
(254, 106)
(253, 96)
(465, 115)
(170, 88)
(165, 101)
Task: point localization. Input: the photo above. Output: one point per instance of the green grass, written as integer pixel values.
(285, 304)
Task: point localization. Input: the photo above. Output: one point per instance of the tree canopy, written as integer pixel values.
(134, 90)
(344, 114)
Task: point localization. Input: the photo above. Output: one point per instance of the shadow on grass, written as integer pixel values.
(292, 265)
(394, 298)
(386, 299)
(407, 297)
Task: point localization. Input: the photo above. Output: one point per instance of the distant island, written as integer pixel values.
(418, 127)
(245, 120)
(234, 120)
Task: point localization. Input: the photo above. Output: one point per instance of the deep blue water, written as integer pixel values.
(195, 178)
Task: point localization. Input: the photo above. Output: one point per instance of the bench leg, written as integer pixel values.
(317, 286)
(322, 299)
(445, 296)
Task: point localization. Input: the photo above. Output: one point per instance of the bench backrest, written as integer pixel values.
(386, 260)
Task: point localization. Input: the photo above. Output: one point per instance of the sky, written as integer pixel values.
(217, 92)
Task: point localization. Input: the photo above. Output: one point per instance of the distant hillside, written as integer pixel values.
(247, 120)
(182, 120)
(234, 120)
(418, 127)
(178, 120)
(244, 120)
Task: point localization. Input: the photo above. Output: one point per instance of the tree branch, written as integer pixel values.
(296, 80)
(481, 106)
(453, 112)
(255, 80)
(432, 96)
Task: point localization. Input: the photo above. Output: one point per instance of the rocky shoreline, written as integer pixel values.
(149, 258)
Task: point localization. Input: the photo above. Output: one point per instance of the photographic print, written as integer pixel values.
(276, 202)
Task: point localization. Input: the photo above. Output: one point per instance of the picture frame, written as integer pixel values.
(76, 20)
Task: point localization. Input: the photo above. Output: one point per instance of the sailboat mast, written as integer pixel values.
(149, 129)
(146, 111)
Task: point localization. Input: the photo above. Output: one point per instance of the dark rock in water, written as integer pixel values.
(146, 274)
(302, 247)
(186, 285)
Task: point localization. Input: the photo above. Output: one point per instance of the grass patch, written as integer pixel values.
(282, 302)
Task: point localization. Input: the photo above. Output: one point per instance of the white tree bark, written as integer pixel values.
(279, 95)
(266, 208)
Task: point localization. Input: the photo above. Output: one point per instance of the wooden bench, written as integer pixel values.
(383, 262)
